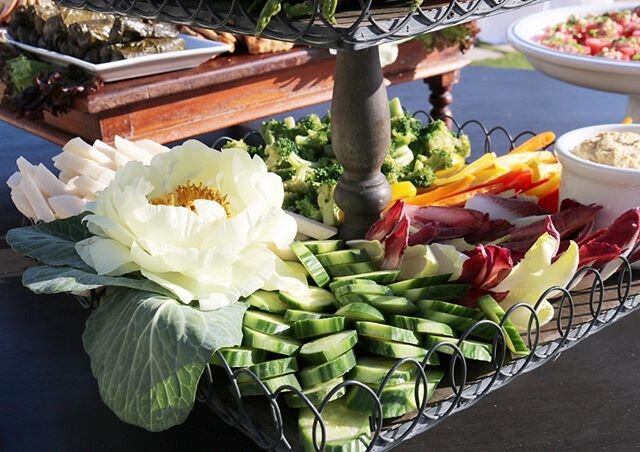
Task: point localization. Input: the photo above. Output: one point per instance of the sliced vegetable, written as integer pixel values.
(316, 394)
(238, 356)
(419, 325)
(351, 269)
(393, 305)
(444, 292)
(267, 301)
(392, 333)
(328, 348)
(494, 312)
(371, 370)
(266, 323)
(274, 368)
(460, 324)
(323, 246)
(293, 315)
(311, 299)
(381, 276)
(275, 344)
(398, 350)
(400, 287)
(478, 351)
(311, 263)
(303, 329)
(315, 375)
(450, 308)
(342, 257)
(273, 384)
(360, 311)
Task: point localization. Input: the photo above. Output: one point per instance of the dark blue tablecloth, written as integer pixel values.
(587, 400)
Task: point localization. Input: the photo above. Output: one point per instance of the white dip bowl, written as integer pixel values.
(615, 189)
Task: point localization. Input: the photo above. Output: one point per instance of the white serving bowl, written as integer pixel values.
(615, 189)
(599, 73)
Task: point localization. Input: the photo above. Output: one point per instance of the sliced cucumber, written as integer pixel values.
(351, 269)
(272, 384)
(266, 323)
(419, 325)
(450, 308)
(393, 305)
(303, 329)
(400, 287)
(343, 428)
(342, 257)
(275, 344)
(315, 375)
(360, 311)
(391, 333)
(311, 263)
(316, 394)
(323, 246)
(444, 292)
(345, 282)
(478, 351)
(366, 289)
(328, 348)
(390, 349)
(312, 299)
(380, 276)
(275, 368)
(293, 315)
(494, 312)
(397, 400)
(460, 324)
(349, 298)
(267, 301)
(371, 370)
(238, 356)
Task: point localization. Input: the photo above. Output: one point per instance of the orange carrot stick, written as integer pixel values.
(536, 143)
(432, 196)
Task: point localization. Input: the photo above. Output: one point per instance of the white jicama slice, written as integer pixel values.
(449, 259)
(132, 151)
(86, 187)
(151, 146)
(48, 183)
(22, 204)
(66, 176)
(116, 159)
(41, 209)
(65, 206)
(24, 166)
(82, 149)
(312, 228)
(14, 180)
(533, 275)
(80, 166)
(418, 260)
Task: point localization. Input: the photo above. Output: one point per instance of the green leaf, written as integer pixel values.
(51, 243)
(46, 279)
(148, 353)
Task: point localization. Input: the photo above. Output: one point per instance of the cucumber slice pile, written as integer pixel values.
(299, 339)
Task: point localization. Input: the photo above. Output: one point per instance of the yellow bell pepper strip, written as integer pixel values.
(544, 189)
(540, 141)
(461, 198)
(542, 171)
(432, 196)
(480, 164)
(401, 190)
(457, 164)
(525, 158)
(488, 175)
(627, 120)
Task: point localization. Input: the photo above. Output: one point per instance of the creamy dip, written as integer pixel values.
(621, 150)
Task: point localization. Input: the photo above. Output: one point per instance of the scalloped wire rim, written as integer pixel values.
(354, 29)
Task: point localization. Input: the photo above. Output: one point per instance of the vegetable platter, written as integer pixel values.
(203, 288)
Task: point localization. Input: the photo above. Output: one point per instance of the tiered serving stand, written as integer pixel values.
(360, 139)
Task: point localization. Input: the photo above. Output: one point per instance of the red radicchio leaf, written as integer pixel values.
(447, 216)
(489, 232)
(522, 246)
(426, 235)
(487, 266)
(501, 208)
(596, 254)
(383, 227)
(566, 222)
(395, 244)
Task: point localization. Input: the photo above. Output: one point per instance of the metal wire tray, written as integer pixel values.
(359, 24)
(578, 314)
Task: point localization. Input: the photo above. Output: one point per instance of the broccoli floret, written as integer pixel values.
(310, 122)
(436, 135)
(392, 170)
(464, 146)
(236, 144)
(402, 155)
(404, 130)
(328, 171)
(278, 153)
(395, 108)
(440, 160)
(307, 207)
(331, 213)
(421, 175)
(290, 199)
(272, 130)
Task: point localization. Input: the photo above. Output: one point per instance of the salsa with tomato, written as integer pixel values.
(614, 34)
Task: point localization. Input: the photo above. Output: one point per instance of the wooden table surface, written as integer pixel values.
(229, 90)
(586, 400)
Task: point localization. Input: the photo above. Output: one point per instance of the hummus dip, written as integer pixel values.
(621, 150)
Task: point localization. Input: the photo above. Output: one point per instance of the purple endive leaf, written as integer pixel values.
(383, 227)
(502, 208)
(395, 244)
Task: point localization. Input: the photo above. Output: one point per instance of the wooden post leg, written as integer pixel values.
(441, 97)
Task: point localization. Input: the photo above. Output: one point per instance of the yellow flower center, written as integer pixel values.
(184, 196)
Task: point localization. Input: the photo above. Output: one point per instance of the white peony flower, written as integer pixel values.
(201, 223)
(84, 170)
